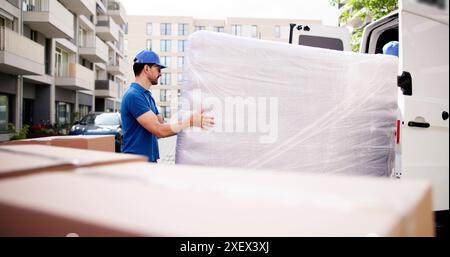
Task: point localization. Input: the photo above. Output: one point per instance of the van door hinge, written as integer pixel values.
(405, 83)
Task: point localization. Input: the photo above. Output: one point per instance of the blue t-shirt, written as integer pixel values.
(136, 139)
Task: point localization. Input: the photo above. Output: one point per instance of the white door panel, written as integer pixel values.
(424, 53)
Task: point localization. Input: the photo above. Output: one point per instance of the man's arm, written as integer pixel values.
(160, 118)
(151, 123)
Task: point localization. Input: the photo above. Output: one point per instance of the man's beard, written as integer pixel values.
(153, 82)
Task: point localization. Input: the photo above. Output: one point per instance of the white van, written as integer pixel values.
(422, 29)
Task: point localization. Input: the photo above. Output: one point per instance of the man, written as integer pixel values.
(141, 122)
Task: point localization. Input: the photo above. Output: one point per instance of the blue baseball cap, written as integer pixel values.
(391, 48)
(148, 57)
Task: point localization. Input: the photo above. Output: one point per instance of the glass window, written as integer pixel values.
(182, 45)
(149, 44)
(149, 29)
(166, 61)
(276, 32)
(166, 45)
(84, 110)
(81, 37)
(183, 29)
(4, 113)
(197, 28)
(254, 31)
(219, 29)
(322, 42)
(61, 63)
(180, 62)
(166, 29)
(236, 30)
(163, 95)
(165, 79)
(166, 112)
(108, 119)
(63, 111)
(180, 79)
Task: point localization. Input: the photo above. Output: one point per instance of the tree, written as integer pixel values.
(362, 9)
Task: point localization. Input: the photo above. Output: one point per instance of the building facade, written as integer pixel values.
(168, 36)
(59, 60)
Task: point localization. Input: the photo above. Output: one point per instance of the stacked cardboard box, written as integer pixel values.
(141, 199)
(89, 142)
(20, 160)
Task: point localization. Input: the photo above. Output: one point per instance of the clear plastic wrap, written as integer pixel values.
(288, 107)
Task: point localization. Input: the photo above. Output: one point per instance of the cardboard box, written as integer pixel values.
(19, 160)
(89, 142)
(142, 199)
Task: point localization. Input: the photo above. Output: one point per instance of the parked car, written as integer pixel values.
(100, 123)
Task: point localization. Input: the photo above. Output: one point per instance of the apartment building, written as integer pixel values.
(168, 36)
(59, 60)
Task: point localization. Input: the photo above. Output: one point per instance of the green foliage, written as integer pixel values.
(361, 9)
(18, 136)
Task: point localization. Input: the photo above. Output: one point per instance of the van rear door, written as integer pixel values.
(424, 41)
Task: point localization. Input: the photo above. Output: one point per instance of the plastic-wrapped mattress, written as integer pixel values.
(288, 107)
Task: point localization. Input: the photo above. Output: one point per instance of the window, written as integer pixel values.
(166, 112)
(180, 62)
(166, 61)
(165, 79)
(219, 29)
(254, 31)
(277, 32)
(322, 42)
(149, 29)
(4, 113)
(63, 111)
(182, 45)
(180, 79)
(84, 110)
(149, 44)
(166, 29)
(166, 45)
(236, 30)
(81, 37)
(163, 95)
(183, 29)
(34, 35)
(197, 28)
(102, 119)
(61, 63)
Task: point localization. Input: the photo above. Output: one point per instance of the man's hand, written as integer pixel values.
(201, 121)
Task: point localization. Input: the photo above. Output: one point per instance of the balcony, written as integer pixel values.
(107, 30)
(117, 67)
(49, 17)
(95, 51)
(80, 7)
(77, 78)
(20, 55)
(106, 89)
(117, 11)
(101, 6)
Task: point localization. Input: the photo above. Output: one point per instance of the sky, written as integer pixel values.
(221, 9)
